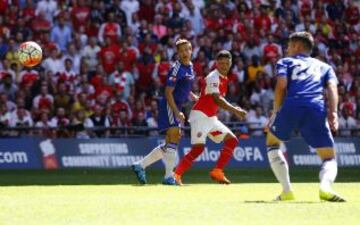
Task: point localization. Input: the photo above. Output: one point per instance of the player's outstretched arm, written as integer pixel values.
(223, 103)
(170, 99)
(333, 105)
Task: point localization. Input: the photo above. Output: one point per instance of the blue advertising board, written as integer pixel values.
(36, 153)
(300, 154)
(118, 153)
(99, 153)
(20, 154)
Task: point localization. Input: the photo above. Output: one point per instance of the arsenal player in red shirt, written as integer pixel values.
(204, 122)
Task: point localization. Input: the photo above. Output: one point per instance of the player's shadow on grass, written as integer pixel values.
(276, 202)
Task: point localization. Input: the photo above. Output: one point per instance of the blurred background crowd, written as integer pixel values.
(105, 62)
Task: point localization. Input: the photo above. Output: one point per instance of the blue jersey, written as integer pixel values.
(181, 78)
(307, 77)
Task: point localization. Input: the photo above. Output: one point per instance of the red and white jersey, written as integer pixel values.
(213, 83)
(41, 101)
(112, 30)
(68, 76)
(271, 50)
(28, 77)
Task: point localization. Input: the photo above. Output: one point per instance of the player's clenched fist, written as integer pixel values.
(180, 116)
(333, 121)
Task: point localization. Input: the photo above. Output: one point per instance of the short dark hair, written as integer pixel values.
(304, 37)
(223, 54)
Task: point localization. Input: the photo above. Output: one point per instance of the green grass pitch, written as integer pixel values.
(112, 197)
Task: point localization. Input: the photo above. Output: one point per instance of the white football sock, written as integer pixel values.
(328, 174)
(280, 167)
(170, 159)
(155, 155)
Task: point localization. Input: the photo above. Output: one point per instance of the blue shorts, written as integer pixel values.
(311, 122)
(166, 117)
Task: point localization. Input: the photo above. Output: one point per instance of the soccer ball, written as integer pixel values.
(29, 54)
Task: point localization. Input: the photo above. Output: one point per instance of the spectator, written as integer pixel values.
(44, 100)
(53, 63)
(146, 11)
(110, 29)
(98, 120)
(77, 125)
(62, 99)
(28, 12)
(60, 120)
(21, 119)
(129, 7)
(68, 75)
(123, 81)
(80, 103)
(257, 122)
(10, 105)
(49, 7)
(161, 70)
(139, 121)
(5, 117)
(251, 48)
(271, 50)
(128, 54)
(80, 14)
(195, 17)
(158, 28)
(109, 56)
(61, 34)
(40, 25)
(254, 69)
(352, 13)
(11, 52)
(45, 124)
(347, 122)
(262, 21)
(90, 53)
(335, 10)
(73, 54)
(8, 87)
(28, 76)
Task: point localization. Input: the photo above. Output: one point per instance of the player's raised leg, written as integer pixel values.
(139, 167)
(279, 167)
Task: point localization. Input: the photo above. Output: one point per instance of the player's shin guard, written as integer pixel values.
(226, 153)
(328, 174)
(188, 159)
(170, 159)
(280, 167)
(155, 155)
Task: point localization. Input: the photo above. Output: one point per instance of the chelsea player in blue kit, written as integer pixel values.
(299, 104)
(177, 92)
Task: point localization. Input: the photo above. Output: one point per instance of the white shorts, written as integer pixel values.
(203, 126)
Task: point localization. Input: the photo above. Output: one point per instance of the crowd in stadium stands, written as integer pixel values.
(105, 62)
